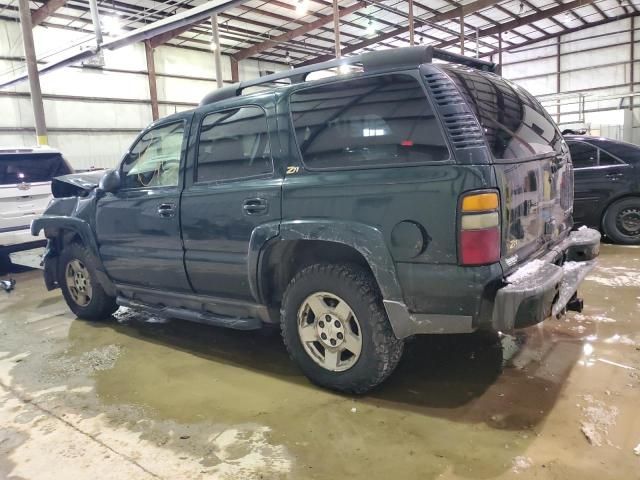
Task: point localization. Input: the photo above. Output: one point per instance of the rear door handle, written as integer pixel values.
(255, 206)
(167, 209)
(614, 175)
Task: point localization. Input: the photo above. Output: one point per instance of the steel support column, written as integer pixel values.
(336, 27)
(411, 27)
(500, 50)
(95, 18)
(235, 71)
(32, 71)
(633, 59)
(151, 74)
(558, 65)
(461, 31)
(216, 53)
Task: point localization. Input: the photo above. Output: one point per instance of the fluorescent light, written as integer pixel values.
(112, 25)
(301, 7)
(371, 30)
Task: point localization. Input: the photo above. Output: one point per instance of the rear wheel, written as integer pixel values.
(336, 329)
(622, 221)
(80, 287)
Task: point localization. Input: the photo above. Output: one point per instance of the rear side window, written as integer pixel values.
(233, 144)
(624, 151)
(583, 155)
(515, 125)
(31, 167)
(383, 120)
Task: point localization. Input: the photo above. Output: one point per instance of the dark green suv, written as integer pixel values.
(355, 210)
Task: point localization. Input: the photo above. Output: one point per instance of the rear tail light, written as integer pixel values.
(479, 228)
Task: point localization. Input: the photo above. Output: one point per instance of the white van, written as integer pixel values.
(25, 192)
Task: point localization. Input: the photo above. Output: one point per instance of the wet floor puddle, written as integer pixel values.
(450, 409)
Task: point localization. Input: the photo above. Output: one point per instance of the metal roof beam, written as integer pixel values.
(441, 17)
(521, 21)
(39, 15)
(569, 30)
(296, 32)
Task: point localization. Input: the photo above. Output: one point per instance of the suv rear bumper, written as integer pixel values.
(472, 298)
(541, 288)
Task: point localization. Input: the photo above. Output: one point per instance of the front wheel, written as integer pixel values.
(622, 221)
(336, 329)
(80, 287)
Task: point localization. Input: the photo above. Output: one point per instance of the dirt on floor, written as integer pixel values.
(139, 397)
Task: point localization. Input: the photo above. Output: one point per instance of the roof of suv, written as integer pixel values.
(37, 149)
(381, 60)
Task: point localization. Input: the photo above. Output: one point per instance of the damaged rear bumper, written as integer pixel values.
(543, 287)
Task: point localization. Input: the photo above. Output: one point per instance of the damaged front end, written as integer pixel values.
(67, 218)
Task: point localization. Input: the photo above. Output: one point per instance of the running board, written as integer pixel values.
(193, 316)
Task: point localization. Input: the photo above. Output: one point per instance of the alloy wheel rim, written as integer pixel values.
(628, 221)
(329, 331)
(78, 282)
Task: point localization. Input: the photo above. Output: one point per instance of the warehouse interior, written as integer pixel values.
(143, 396)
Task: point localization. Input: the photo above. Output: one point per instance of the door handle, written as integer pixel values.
(255, 206)
(167, 209)
(614, 175)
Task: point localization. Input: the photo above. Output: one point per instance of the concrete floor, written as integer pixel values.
(137, 398)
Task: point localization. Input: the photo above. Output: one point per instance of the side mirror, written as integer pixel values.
(110, 182)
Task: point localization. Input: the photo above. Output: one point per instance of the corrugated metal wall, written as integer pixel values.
(94, 114)
(594, 81)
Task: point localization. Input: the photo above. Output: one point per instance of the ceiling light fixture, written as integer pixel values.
(301, 7)
(111, 25)
(371, 30)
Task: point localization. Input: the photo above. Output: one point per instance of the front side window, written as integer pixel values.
(155, 160)
(233, 144)
(382, 120)
(583, 155)
(605, 159)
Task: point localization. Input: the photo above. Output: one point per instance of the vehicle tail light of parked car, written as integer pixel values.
(479, 228)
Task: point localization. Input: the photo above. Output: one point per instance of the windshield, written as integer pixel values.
(31, 167)
(515, 125)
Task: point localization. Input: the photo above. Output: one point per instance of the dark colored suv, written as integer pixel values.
(355, 211)
(607, 186)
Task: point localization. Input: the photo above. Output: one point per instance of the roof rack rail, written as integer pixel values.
(370, 61)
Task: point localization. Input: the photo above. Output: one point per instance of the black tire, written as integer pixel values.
(621, 222)
(380, 349)
(100, 306)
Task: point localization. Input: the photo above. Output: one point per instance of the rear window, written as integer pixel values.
(31, 167)
(377, 121)
(515, 125)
